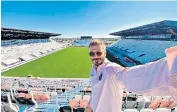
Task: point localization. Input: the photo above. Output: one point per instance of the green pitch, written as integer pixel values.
(73, 62)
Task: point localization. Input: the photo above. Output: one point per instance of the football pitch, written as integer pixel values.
(72, 62)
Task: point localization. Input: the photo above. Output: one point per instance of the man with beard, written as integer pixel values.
(108, 79)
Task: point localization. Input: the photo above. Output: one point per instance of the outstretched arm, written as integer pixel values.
(154, 78)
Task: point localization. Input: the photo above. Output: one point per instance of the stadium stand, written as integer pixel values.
(17, 49)
(85, 42)
(8, 62)
(73, 94)
(81, 42)
(5, 43)
(144, 44)
(26, 58)
(15, 54)
(163, 28)
(141, 51)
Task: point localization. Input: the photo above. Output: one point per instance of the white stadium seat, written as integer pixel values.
(131, 110)
(78, 97)
(147, 110)
(163, 110)
(131, 104)
(26, 57)
(8, 62)
(53, 94)
(86, 97)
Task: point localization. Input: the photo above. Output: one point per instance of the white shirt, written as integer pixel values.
(155, 78)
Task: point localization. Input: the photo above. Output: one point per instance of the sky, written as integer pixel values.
(74, 19)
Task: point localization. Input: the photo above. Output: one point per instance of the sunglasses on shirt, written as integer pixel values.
(95, 53)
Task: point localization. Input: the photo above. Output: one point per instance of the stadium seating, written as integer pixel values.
(131, 110)
(81, 42)
(86, 97)
(163, 110)
(147, 110)
(26, 58)
(85, 42)
(142, 51)
(36, 54)
(46, 88)
(8, 62)
(6, 43)
(30, 50)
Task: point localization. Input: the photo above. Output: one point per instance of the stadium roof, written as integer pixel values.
(162, 27)
(10, 33)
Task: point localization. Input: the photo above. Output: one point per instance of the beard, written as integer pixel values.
(98, 61)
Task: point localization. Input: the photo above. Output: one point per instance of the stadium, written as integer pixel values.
(42, 72)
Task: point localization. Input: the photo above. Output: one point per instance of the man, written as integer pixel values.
(108, 79)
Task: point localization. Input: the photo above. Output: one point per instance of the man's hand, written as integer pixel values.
(88, 109)
(163, 104)
(126, 69)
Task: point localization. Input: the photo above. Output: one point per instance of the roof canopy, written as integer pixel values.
(9, 33)
(162, 27)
